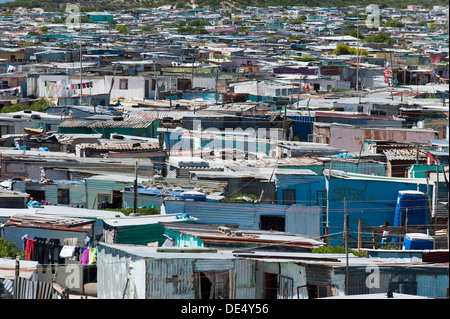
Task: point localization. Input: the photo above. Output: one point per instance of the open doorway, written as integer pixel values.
(37, 195)
(270, 286)
(317, 291)
(213, 285)
(116, 200)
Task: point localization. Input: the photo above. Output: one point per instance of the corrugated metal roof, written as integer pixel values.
(120, 146)
(208, 233)
(54, 223)
(131, 122)
(404, 154)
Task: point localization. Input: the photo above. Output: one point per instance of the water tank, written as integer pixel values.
(193, 196)
(411, 205)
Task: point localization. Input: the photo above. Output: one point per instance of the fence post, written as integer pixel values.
(359, 236)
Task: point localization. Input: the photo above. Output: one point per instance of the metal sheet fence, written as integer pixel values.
(29, 289)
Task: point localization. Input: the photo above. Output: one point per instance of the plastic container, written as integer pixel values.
(418, 241)
(415, 204)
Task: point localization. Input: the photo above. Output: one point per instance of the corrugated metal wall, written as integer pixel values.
(377, 169)
(112, 272)
(245, 278)
(51, 193)
(303, 220)
(220, 265)
(77, 193)
(432, 285)
(372, 201)
(99, 186)
(140, 234)
(170, 278)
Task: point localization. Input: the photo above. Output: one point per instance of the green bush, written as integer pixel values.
(38, 106)
(141, 211)
(337, 250)
(8, 249)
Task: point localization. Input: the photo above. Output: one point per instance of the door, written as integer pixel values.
(146, 94)
(270, 286)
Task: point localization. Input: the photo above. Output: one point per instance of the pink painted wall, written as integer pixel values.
(350, 138)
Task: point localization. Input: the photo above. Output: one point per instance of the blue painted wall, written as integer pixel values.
(306, 188)
(371, 200)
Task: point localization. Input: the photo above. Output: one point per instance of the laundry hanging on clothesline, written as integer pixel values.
(14, 90)
(53, 88)
(56, 88)
(85, 85)
(43, 251)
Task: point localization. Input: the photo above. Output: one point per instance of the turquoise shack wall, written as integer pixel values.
(96, 187)
(420, 171)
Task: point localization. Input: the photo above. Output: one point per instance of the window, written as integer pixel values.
(285, 288)
(289, 197)
(123, 84)
(63, 196)
(268, 222)
(103, 200)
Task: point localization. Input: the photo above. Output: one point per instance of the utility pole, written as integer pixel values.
(357, 48)
(17, 270)
(81, 60)
(217, 79)
(346, 228)
(448, 202)
(284, 123)
(192, 74)
(135, 189)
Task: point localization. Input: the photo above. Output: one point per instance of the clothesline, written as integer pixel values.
(57, 87)
(17, 88)
(52, 251)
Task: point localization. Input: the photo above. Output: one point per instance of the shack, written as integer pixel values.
(371, 199)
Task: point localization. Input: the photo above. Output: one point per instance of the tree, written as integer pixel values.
(345, 49)
(38, 106)
(44, 29)
(394, 24)
(146, 28)
(380, 38)
(354, 33)
(122, 28)
(422, 24)
(8, 249)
